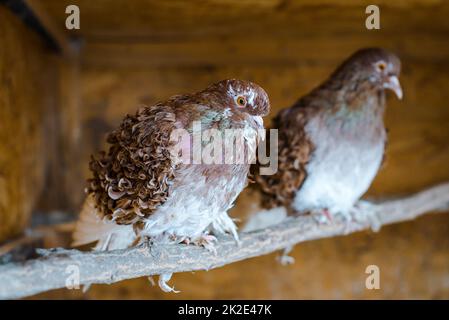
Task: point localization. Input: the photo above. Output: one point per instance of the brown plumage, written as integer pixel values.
(139, 189)
(331, 141)
(294, 149)
(133, 178)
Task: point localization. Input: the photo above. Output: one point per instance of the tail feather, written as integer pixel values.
(91, 228)
(265, 218)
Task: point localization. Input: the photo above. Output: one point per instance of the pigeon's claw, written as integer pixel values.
(346, 215)
(327, 214)
(284, 259)
(364, 211)
(322, 216)
(208, 242)
(163, 279)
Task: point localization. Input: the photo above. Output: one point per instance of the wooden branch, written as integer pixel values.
(53, 268)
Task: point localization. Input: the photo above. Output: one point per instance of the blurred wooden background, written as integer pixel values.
(55, 111)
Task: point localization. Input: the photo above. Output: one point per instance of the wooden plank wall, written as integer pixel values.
(27, 105)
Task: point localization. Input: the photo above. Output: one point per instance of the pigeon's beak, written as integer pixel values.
(393, 84)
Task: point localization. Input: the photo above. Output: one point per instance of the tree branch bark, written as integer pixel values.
(52, 269)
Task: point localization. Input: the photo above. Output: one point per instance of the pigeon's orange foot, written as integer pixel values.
(322, 216)
(327, 214)
(208, 242)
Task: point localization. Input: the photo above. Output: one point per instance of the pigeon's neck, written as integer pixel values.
(354, 108)
(356, 98)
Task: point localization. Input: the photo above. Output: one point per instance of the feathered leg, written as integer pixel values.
(284, 259)
(364, 210)
(163, 279)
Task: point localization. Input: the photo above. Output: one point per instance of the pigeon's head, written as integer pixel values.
(243, 96)
(377, 66)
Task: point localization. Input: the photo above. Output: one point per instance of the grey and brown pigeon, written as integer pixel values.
(332, 141)
(142, 189)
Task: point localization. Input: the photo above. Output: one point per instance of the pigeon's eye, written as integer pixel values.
(241, 101)
(381, 66)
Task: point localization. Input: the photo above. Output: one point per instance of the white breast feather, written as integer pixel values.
(340, 171)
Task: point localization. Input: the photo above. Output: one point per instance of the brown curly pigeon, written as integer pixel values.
(332, 141)
(142, 188)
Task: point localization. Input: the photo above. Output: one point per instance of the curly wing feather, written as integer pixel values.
(132, 180)
(294, 151)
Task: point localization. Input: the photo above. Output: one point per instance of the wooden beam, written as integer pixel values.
(68, 47)
(257, 51)
(110, 19)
